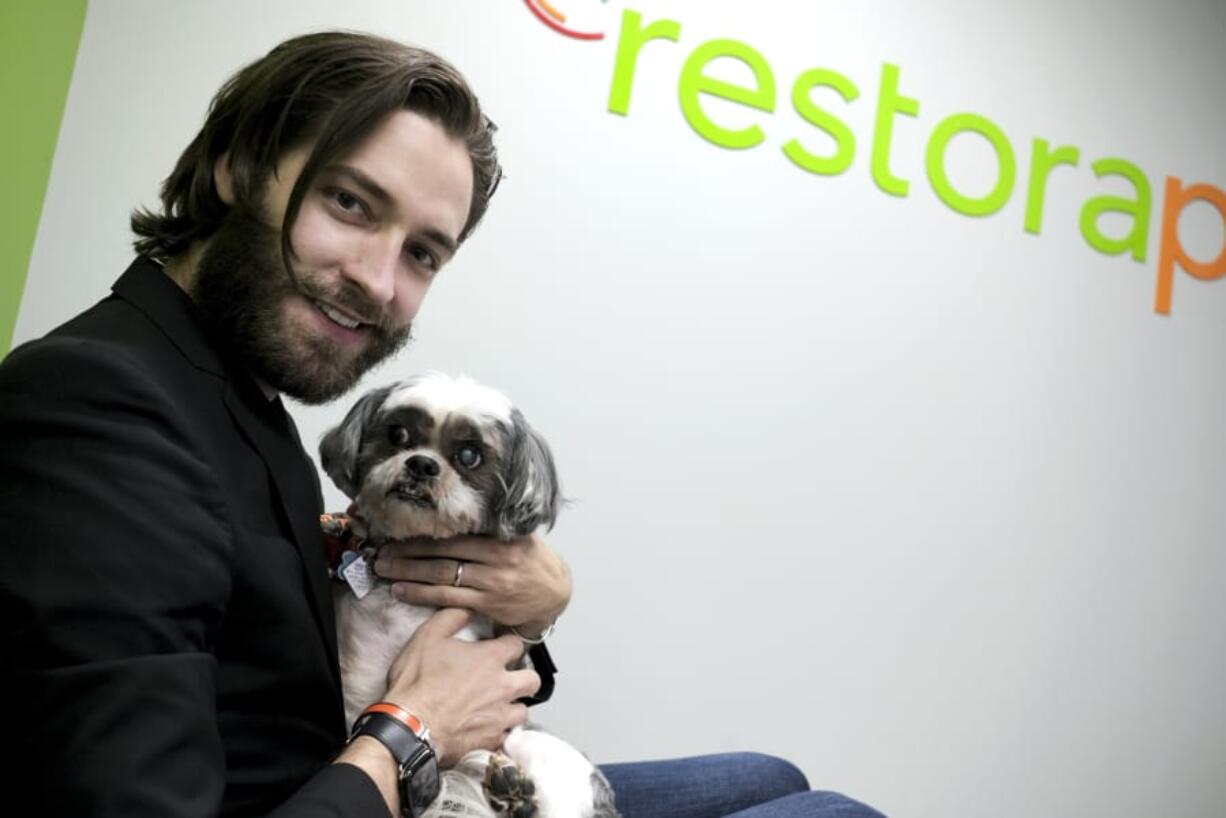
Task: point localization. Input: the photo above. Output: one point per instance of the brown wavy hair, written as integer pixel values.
(332, 89)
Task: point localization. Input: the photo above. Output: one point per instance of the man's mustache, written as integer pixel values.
(349, 299)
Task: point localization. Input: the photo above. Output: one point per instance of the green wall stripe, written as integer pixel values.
(38, 47)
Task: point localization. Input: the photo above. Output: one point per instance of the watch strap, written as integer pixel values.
(417, 767)
(408, 718)
(393, 734)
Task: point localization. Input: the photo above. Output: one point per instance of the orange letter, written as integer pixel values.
(1177, 198)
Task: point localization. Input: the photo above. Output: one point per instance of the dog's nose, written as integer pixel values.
(422, 467)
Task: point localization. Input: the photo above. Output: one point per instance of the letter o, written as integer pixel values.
(939, 141)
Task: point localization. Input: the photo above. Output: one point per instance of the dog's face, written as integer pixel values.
(439, 456)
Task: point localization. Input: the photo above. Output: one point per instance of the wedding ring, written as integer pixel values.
(459, 574)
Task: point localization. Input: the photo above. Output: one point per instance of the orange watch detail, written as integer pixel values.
(400, 714)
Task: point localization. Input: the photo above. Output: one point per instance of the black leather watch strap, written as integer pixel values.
(417, 768)
(392, 733)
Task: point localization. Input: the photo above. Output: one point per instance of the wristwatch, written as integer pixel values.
(408, 739)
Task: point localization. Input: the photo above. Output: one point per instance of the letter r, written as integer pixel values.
(632, 38)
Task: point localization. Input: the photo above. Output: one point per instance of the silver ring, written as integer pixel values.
(459, 574)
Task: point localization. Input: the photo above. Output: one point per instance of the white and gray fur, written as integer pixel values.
(400, 455)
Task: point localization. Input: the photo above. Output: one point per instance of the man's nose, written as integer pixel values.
(375, 270)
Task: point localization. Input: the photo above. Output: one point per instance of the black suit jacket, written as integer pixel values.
(165, 621)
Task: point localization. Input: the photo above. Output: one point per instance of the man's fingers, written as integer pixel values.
(480, 549)
(525, 682)
(509, 647)
(437, 572)
(454, 548)
(446, 622)
(434, 571)
(437, 596)
(517, 714)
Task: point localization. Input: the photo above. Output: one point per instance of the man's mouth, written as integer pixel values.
(336, 316)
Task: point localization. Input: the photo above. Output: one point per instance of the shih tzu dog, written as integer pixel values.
(437, 456)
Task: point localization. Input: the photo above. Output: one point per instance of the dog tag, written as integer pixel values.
(355, 570)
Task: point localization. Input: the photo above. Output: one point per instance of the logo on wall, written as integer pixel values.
(761, 96)
(558, 21)
(1112, 224)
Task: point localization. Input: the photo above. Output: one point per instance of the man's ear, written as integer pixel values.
(223, 180)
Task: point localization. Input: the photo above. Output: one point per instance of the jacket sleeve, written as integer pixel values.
(117, 549)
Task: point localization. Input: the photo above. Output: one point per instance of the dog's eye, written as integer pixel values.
(469, 457)
(398, 435)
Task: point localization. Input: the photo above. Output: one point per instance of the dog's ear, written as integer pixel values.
(533, 497)
(338, 450)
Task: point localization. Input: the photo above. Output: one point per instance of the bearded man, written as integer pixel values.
(168, 633)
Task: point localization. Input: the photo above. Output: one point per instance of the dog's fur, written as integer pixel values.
(438, 456)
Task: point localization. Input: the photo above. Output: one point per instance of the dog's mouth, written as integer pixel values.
(411, 493)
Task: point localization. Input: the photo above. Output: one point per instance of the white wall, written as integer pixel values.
(930, 505)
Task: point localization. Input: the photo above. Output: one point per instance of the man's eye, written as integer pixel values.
(398, 435)
(423, 256)
(469, 457)
(349, 203)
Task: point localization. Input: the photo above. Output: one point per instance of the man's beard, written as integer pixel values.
(241, 289)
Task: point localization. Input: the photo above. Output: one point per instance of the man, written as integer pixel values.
(166, 618)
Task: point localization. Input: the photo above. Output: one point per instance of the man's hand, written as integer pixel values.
(522, 582)
(463, 691)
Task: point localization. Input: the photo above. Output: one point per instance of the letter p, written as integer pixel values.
(1177, 198)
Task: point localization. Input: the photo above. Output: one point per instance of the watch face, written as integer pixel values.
(420, 780)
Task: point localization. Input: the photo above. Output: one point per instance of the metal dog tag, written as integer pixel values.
(355, 570)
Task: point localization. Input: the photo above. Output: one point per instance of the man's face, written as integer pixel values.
(373, 230)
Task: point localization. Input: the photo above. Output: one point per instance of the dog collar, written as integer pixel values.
(339, 537)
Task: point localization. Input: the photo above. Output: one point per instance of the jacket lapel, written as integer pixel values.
(271, 431)
(265, 424)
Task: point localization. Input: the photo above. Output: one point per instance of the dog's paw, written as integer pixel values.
(509, 790)
(568, 785)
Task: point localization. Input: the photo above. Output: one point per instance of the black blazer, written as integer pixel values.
(165, 620)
